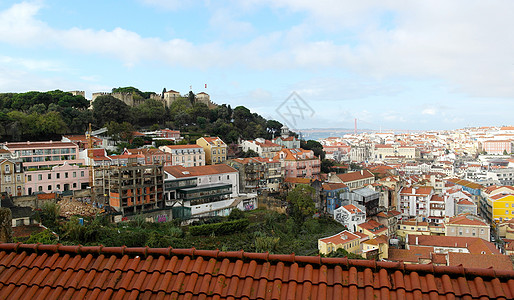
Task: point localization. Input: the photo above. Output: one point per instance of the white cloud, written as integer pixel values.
(429, 111)
(32, 64)
(467, 44)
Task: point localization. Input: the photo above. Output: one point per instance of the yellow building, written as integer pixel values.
(12, 180)
(420, 228)
(343, 240)
(490, 195)
(502, 207)
(379, 246)
(215, 149)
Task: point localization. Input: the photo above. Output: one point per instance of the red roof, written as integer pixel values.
(180, 171)
(342, 237)
(334, 186)
(353, 176)
(77, 272)
(498, 262)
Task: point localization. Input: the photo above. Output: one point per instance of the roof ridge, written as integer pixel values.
(285, 258)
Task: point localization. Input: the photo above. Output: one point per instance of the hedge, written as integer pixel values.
(220, 228)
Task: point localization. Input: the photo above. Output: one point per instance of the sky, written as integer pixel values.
(418, 65)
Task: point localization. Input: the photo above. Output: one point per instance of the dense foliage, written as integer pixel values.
(265, 231)
(220, 228)
(37, 116)
(48, 115)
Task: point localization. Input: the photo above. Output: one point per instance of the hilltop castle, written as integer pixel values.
(167, 98)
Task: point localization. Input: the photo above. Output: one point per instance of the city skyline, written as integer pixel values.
(389, 64)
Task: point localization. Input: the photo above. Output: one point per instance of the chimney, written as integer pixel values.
(416, 240)
(362, 172)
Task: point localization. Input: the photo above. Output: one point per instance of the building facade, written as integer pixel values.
(36, 155)
(131, 189)
(57, 179)
(185, 155)
(215, 149)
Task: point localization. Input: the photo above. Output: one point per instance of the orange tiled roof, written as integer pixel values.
(465, 220)
(468, 260)
(298, 180)
(56, 271)
(342, 237)
(334, 186)
(473, 244)
(353, 176)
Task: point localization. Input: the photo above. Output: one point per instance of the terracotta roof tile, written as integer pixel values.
(56, 271)
(469, 260)
(353, 176)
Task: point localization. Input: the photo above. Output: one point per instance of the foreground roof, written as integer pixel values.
(76, 272)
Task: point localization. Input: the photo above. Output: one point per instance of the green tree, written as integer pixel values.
(120, 131)
(191, 97)
(150, 112)
(107, 108)
(301, 203)
(326, 165)
(44, 237)
(315, 146)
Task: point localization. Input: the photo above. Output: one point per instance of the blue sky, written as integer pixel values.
(390, 64)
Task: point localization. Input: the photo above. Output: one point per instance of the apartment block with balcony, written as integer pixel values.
(298, 163)
(414, 201)
(215, 149)
(35, 155)
(185, 155)
(131, 189)
(257, 174)
(205, 191)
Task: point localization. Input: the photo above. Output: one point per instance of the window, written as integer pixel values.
(74, 174)
(39, 177)
(58, 175)
(40, 188)
(18, 178)
(65, 174)
(7, 178)
(74, 185)
(29, 177)
(49, 176)
(506, 212)
(49, 187)
(506, 204)
(7, 168)
(58, 187)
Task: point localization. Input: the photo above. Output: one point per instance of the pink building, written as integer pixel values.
(57, 179)
(44, 154)
(497, 146)
(298, 163)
